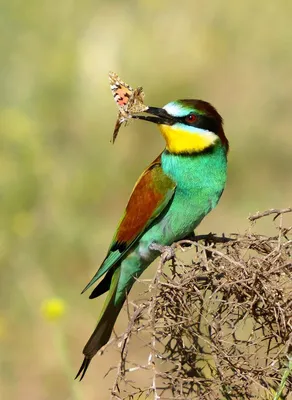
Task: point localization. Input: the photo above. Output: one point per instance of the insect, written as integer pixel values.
(128, 100)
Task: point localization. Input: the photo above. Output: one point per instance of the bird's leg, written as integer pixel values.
(167, 252)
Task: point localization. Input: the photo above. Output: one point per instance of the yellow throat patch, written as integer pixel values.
(179, 140)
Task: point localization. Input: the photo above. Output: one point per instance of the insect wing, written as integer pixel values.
(128, 100)
(121, 91)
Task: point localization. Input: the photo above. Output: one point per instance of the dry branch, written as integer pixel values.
(217, 328)
(269, 212)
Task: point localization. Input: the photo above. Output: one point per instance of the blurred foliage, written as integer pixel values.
(63, 185)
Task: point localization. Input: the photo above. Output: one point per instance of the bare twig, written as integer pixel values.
(216, 327)
(276, 211)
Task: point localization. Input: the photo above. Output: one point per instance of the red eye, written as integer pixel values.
(191, 118)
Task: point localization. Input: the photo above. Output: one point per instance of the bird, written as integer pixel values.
(169, 200)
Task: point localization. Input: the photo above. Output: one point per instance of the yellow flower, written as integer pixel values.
(53, 309)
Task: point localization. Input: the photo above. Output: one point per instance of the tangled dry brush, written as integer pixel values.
(217, 327)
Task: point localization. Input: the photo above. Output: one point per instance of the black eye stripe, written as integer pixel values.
(202, 122)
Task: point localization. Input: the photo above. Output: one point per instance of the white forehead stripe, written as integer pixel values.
(176, 110)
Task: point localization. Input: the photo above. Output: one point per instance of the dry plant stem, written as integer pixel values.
(269, 212)
(121, 369)
(152, 355)
(218, 327)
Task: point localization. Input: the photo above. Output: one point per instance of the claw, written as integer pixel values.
(167, 252)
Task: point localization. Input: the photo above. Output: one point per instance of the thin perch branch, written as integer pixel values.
(269, 212)
(216, 326)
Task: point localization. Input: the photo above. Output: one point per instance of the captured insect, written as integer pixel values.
(129, 101)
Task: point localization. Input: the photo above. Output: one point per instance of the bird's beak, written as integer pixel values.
(157, 115)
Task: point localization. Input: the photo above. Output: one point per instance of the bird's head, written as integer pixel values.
(188, 126)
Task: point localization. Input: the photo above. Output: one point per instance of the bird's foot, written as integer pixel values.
(167, 252)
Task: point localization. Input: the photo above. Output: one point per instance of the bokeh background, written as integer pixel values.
(63, 185)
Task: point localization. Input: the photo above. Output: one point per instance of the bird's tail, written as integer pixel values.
(103, 330)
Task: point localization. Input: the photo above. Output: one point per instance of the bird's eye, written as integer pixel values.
(191, 118)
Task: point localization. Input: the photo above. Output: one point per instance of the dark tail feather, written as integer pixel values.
(103, 330)
(83, 368)
(103, 286)
(100, 336)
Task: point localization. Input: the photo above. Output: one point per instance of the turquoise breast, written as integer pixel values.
(200, 181)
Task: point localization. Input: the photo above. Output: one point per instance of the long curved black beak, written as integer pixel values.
(158, 116)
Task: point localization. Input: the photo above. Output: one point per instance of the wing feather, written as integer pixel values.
(152, 193)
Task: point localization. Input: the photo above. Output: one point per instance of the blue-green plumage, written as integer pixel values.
(200, 181)
(169, 201)
(199, 184)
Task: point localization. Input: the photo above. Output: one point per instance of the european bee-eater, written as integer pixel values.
(171, 197)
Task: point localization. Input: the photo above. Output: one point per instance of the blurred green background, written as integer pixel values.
(63, 186)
